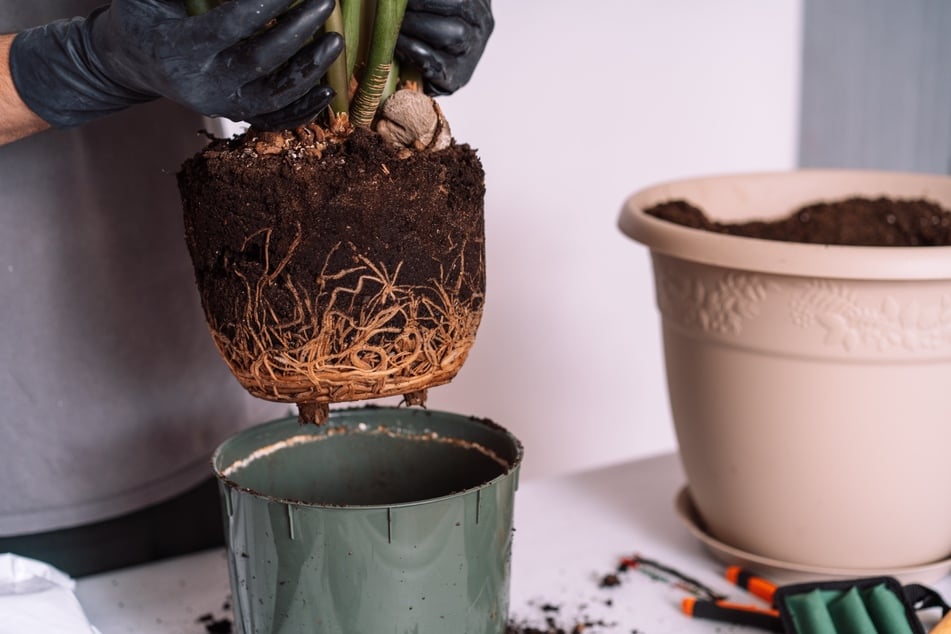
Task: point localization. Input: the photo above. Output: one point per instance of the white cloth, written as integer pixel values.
(112, 394)
(35, 597)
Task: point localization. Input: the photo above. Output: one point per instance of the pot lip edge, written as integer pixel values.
(788, 258)
(511, 471)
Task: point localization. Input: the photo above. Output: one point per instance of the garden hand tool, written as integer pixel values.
(874, 605)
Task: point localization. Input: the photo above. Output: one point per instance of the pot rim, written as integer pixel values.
(777, 193)
(510, 471)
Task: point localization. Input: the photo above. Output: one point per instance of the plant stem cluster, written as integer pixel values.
(366, 72)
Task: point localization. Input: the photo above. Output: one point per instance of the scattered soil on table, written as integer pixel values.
(552, 627)
(852, 222)
(551, 621)
(550, 613)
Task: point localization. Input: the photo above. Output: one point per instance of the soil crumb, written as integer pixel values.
(215, 626)
(609, 581)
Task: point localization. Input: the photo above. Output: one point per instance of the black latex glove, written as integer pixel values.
(445, 39)
(222, 63)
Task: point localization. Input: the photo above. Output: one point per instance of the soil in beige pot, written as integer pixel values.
(853, 222)
(333, 266)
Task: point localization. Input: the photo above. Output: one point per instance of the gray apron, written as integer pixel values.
(112, 394)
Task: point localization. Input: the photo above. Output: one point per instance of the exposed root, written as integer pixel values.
(314, 413)
(354, 334)
(357, 331)
(409, 119)
(311, 139)
(417, 398)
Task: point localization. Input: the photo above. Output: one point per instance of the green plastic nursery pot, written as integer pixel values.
(383, 520)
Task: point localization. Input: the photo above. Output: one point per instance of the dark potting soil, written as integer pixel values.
(231, 192)
(852, 222)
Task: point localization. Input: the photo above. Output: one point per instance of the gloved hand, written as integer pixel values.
(226, 62)
(445, 39)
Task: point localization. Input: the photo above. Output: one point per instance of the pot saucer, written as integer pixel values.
(784, 572)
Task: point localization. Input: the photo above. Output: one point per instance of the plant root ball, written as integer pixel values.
(334, 268)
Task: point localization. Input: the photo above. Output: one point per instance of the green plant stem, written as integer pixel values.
(356, 21)
(337, 76)
(386, 27)
(392, 81)
(352, 28)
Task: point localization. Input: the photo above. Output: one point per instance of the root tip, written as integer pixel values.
(313, 413)
(415, 398)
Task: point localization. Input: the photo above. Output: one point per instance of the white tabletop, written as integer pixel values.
(571, 531)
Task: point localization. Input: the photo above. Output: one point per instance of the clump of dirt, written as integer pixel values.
(849, 222)
(215, 626)
(609, 581)
(333, 266)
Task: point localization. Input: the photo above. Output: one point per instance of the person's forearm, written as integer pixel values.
(16, 119)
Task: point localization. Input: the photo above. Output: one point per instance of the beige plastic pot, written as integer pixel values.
(810, 385)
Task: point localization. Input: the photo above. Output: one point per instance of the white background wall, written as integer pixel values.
(574, 106)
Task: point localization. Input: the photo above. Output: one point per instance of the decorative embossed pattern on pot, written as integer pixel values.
(845, 319)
